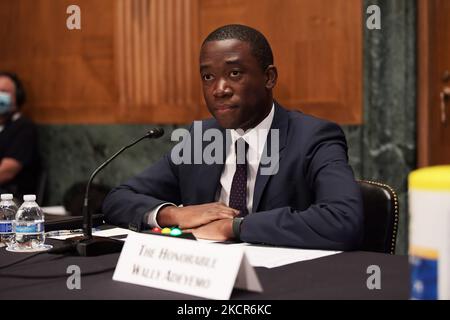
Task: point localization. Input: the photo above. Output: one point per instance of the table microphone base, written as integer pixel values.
(96, 246)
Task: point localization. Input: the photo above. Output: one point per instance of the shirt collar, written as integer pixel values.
(264, 124)
(256, 136)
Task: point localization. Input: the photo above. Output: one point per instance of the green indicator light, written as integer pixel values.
(175, 232)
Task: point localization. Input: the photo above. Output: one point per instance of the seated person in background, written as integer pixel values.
(19, 159)
(307, 197)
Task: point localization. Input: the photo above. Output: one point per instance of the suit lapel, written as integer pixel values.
(208, 182)
(209, 174)
(280, 122)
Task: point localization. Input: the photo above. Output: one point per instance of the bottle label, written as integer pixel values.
(31, 228)
(5, 226)
(424, 276)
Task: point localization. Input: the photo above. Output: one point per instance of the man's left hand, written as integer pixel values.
(219, 230)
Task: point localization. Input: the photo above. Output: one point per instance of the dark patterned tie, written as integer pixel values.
(238, 193)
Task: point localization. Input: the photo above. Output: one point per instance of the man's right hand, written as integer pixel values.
(194, 216)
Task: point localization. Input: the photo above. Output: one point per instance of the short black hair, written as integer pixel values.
(258, 43)
(21, 96)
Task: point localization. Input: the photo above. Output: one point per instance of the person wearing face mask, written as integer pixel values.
(19, 160)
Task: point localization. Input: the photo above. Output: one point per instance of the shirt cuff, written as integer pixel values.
(153, 214)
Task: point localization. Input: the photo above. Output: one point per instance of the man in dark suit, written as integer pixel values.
(305, 196)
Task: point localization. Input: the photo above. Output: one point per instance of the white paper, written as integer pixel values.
(258, 256)
(55, 210)
(101, 233)
(272, 257)
(113, 232)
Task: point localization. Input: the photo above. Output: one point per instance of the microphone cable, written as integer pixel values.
(68, 247)
(19, 261)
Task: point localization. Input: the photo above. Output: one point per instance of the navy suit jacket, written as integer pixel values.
(312, 201)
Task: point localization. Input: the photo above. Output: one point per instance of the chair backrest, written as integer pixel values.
(73, 198)
(381, 212)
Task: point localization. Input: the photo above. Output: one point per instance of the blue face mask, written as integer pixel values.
(5, 103)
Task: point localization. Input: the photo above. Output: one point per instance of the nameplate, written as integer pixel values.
(196, 268)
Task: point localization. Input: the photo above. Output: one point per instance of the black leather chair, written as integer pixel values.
(380, 203)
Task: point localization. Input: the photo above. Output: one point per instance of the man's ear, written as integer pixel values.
(271, 76)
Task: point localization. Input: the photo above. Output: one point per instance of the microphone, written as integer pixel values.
(87, 245)
(87, 222)
(155, 133)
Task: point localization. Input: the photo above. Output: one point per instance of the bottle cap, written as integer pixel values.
(29, 197)
(436, 178)
(7, 196)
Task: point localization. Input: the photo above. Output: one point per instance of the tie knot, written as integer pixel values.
(241, 148)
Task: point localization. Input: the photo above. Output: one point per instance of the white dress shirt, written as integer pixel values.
(256, 139)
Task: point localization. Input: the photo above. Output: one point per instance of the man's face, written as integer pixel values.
(235, 87)
(7, 86)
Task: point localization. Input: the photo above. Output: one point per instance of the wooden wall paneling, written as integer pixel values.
(439, 57)
(137, 60)
(433, 60)
(68, 74)
(155, 41)
(317, 47)
(423, 83)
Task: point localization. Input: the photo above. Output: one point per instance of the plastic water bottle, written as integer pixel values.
(8, 210)
(29, 225)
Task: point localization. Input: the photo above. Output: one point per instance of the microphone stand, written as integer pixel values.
(88, 245)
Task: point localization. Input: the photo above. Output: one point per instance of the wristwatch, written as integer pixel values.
(237, 228)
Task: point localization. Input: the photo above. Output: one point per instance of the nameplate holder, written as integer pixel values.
(195, 268)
